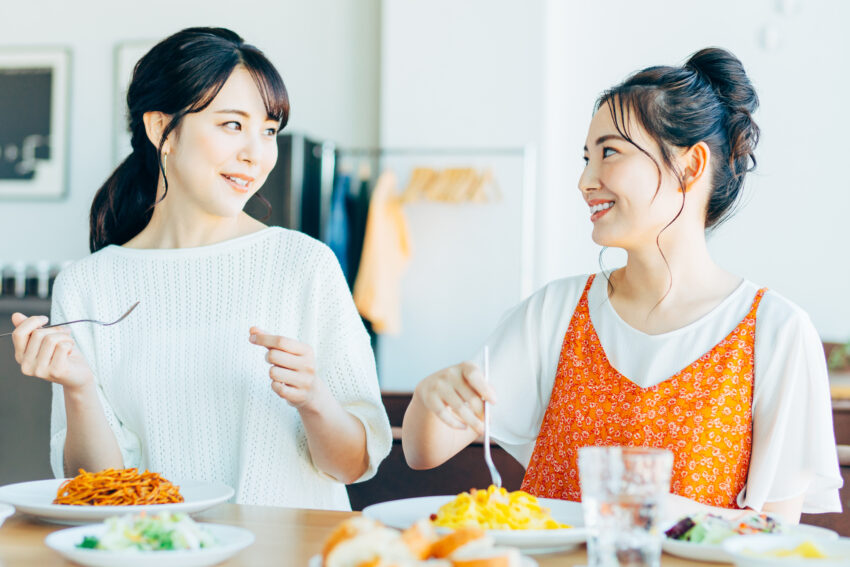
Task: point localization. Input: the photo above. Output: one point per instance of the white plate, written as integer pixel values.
(715, 552)
(231, 540)
(36, 498)
(5, 512)
(404, 513)
(837, 550)
(525, 561)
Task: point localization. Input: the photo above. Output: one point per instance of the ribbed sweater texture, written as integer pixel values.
(185, 392)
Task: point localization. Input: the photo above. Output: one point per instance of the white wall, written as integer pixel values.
(792, 233)
(461, 74)
(326, 50)
(458, 75)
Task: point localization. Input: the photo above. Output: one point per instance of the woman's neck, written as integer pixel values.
(658, 293)
(167, 230)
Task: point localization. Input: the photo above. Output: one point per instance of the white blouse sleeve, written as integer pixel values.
(793, 451)
(67, 306)
(345, 360)
(524, 352)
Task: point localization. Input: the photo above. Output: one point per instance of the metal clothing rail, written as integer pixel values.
(440, 151)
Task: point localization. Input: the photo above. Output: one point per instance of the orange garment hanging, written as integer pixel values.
(386, 252)
(451, 185)
(703, 414)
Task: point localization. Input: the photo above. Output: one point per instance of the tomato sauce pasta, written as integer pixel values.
(117, 487)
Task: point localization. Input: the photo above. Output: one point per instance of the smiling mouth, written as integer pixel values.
(599, 209)
(238, 183)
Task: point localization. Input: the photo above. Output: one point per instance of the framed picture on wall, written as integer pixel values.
(126, 56)
(34, 109)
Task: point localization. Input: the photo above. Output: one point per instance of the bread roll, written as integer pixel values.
(447, 544)
(419, 538)
(383, 544)
(347, 530)
(479, 556)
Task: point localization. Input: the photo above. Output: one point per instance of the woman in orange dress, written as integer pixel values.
(670, 350)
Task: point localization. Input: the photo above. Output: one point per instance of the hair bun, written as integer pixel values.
(725, 73)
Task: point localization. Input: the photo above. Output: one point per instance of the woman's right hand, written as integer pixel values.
(50, 354)
(456, 395)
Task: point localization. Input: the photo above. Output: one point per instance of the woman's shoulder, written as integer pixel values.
(298, 241)
(569, 285)
(567, 289)
(84, 266)
(777, 306)
(778, 315)
(78, 274)
(557, 296)
(296, 249)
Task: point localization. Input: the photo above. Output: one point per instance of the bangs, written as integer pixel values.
(622, 103)
(637, 104)
(270, 85)
(265, 76)
(209, 93)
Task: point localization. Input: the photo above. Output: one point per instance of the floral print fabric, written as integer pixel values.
(703, 414)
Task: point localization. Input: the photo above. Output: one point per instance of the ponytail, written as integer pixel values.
(123, 205)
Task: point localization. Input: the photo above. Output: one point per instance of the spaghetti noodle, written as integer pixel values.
(117, 487)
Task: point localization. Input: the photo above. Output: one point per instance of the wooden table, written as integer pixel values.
(285, 537)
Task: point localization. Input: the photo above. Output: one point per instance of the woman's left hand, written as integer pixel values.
(293, 369)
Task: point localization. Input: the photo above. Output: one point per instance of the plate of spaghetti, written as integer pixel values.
(92, 497)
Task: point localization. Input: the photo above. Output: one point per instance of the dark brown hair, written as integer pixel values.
(180, 75)
(709, 99)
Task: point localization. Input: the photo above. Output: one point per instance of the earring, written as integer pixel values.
(164, 163)
(687, 181)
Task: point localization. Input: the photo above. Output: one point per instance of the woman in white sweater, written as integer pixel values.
(246, 361)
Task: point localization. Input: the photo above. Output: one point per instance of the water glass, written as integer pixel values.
(622, 493)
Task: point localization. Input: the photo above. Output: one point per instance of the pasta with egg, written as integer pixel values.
(496, 509)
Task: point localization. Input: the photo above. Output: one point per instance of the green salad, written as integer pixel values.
(151, 532)
(712, 529)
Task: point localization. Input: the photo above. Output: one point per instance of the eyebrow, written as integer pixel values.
(244, 114)
(232, 111)
(605, 138)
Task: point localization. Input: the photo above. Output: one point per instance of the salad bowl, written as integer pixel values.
(76, 544)
(704, 538)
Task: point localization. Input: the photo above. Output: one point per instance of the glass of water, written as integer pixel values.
(622, 493)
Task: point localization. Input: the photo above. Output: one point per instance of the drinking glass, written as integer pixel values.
(622, 493)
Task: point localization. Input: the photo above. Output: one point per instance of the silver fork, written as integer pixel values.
(494, 474)
(95, 321)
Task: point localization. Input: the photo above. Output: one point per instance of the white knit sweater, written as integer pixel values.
(187, 395)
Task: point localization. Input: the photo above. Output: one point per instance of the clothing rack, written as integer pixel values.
(488, 244)
(301, 186)
(442, 151)
(528, 154)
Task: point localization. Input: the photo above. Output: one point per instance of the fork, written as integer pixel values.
(95, 321)
(494, 474)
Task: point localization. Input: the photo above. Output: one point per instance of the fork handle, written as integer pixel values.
(54, 325)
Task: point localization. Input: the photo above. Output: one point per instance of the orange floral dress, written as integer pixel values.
(703, 414)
